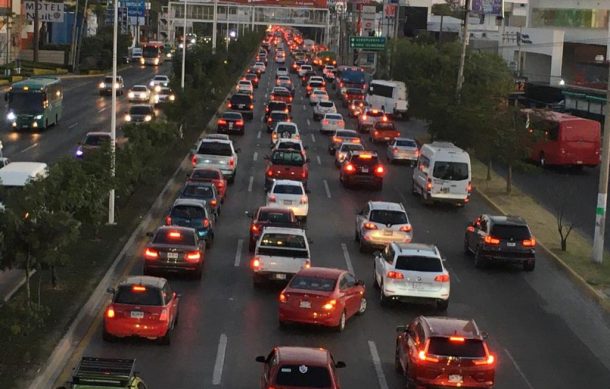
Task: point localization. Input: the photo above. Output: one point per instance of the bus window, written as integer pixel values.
(382, 90)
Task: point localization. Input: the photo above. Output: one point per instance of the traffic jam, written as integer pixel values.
(360, 135)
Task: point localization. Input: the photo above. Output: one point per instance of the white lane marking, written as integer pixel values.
(220, 359)
(262, 119)
(453, 274)
(348, 262)
(308, 122)
(319, 160)
(240, 243)
(265, 96)
(527, 382)
(250, 183)
(258, 136)
(30, 147)
(304, 107)
(255, 156)
(383, 383)
(313, 138)
(73, 125)
(102, 109)
(327, 189)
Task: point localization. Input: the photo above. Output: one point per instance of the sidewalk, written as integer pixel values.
(10, 282)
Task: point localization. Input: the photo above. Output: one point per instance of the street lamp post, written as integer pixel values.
(115, 34)
(214, 26)
(183, 48)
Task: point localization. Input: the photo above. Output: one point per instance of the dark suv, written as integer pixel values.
(444, 352)
(362, 167)
(500, 239)
(242, 103)
(274, 105)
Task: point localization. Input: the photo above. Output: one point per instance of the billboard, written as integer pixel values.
(488, 7)
(47, 12)
(283, 3)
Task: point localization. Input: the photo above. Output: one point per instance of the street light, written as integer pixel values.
(183, 49)
(113, 111)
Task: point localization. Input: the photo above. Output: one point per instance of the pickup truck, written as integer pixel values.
(218, 153)
(279, 254)
(105, 373)
(286, 165)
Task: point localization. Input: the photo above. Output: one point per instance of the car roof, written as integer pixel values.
(448, 326)
(156, 282)
(277, 111)
(188, 202)
(508, 220)
(216, 140)
(386, 205)
(303, 355)
(287, 124)
(139, 86)
(407, 139)
(360, 152)
(325, 272)
(351, 144)
(416, 249)
(217, 137)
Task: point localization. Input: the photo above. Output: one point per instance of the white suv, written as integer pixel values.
(412, 271)
(289, 194)
(381, 223)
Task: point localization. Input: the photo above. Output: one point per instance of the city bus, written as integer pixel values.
(152, 53)
(34, 103)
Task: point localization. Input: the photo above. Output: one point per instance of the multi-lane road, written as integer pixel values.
(544, 331)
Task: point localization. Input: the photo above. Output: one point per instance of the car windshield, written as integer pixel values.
(509, 232)
(251, 76)
(389, 217)
(215, 148)
(108, 80)
(326, 104)
(204, 192)
(241, 99)
(23, 102)
(139, 89)
(303, 376)
(453, 171)
(313, 283)
(406, 143)
(351, 146)
(288, 189)
(287, 158)
(138, 295)
(160, 78)
(187, 212)
(385, 126)
(96, 140)
(417, 263)
(469, 348)
(289, 145)
(173, 237)
(231, 115)
(165, 91)
(205, 174)
(140, 110)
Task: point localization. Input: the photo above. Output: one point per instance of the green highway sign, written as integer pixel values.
(367, 42)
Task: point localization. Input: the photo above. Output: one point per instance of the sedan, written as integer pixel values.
(213, 175)
(174, 249)
(332, 122)
(193, 214)
(289, 194)
(140, 113)
(318, 95)
(323, 107)
(341, 136)
(403, 149)
(230, 122)
(343, 149)
(203, 191)
(139, 93)
(322, 296)
(269, 217)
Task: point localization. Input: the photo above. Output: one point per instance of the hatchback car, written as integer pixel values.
(356, 107)
(281, 94)
(322, 108)
(285, 130)
(174, 249)
(444, 352)
(281, 71)
(362, 168)
(253, 78)
(322, 296)
(289, 194)
(244, 86)
(141, 306)
(341, 136)
(139, 93)
(299, 367)
(380, 223)
(318, 95)
(403, 149)
(163, 95)
(332, 122)
(93, 141)
(230, 122)
(495, 239)
(210, 174)
(269, 217)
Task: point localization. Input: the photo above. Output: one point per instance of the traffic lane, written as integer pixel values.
(80, 116)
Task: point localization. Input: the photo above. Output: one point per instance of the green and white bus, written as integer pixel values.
(34, 103)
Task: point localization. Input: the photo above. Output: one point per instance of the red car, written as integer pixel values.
(281, 94)
(270, 217)
(141, 306)
(384, 131)
(286, 165)
(299, 367)
(213, 175)
(323, 296)
(444, 352)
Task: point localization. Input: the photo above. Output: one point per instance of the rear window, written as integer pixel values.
(352, 146)
(277, 106)
(282, 240)
(289, 145)
(306, 67)
(187, 212)
(315, 84)
(453, 171)
(355, 92)
(313, 283)
(346, 134)
(173, 237)
(282, 93)
(215, 148)
(288, 189)
(287, 158)
(274, 217)
(279, 116)
(389, 217)
(285, 130)
(334, 117)
(204, 192)
(127, 295)
(140, 110)
(326, 104)
(385, 126)
(303, 376)
(375, 114)
(364, 161)
(241, 99)
(416, 263)
(508, 232)
(470, 348)
(251, 76)
(231, 115)
(205, 174)
(406, 143)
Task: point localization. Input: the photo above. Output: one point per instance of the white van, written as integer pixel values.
(391, 96)
(18, 174)
(443, 174)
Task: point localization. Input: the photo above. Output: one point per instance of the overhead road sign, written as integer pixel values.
(374, 43)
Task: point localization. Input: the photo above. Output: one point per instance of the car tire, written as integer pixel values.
(529, 265)
(413, 188)
(442, 305)
(107, 337)
(330, 151)
(231, 179)
(356, 236)
(362, 247)
(283, 324)
(479, 261)
(466, 247)
(342, 320)
(362, 308)
(397, 365)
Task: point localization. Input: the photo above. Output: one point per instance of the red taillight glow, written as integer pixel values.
(272, 198)
(364, 117)
(213, 202)
(470, 229)
(349, 168)
(164, 316)
(395, 275)
(254, 228)
(425, 357)
(151, 254)
(442, 278)
(469, 187)
(379, 170)
(270, 172)
(406, 228)
(283, 298)
(370, 226)
(205, 223)
(529, 242)
(232, 162)
(457, 339)
(325, 122)
(239, 122)
(429, 185)
(491, 240)
(138, 288)
(256, 264)
(174, 234)
(222, 122)
(194, 160)
(490, 360)
(194, 256)
(168, 220)
(110, 313)
(329, 306)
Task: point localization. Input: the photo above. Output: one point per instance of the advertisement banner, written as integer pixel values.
(283, 3)
(135, 8)
(488, 7)
(47, 12)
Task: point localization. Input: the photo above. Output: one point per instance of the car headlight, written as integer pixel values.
(11, 116)
(172, 97)
(37, 117)
(142, 61)
(128, 118)
(131, 95)
(158, 88)
(156, 61)
(79, 152)
(168, 55)
(102, 85)
(151, 83)
(147, 118)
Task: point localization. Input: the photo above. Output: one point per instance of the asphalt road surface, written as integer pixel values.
(544, 331)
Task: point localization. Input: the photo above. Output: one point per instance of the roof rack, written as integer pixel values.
(109, 372)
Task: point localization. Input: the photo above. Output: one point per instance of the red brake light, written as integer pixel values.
(254, 228)
(429, 185)
(256, 263)
(239, 122)
(282, 298)
(457, 339)
(174, 234)
(194, 256)
(491, 240)
(425, 357)
(213, 202)
(470, 229)
(406, 228)
(205, 223)
(251, 106)
(325, 121)
(529, 242)
(138, 288)
(151, 253)
(395, 275)
(272, 198)
(370, 226)
(379, 170)
(164, 316)
(469, 187)
(194, 160)
(269, 119)
(349, 168)
(363, 116)
(222, 122)
(442, 278)
(270, 172)
(330, 305)
(487, 361)
(229, 104)
(168, 220)
(110, 313)
(232, 162)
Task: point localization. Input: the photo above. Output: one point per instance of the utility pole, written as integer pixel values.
(602, 192)
(73, 46)
(460, 79)
(215, 26)
(36, 32)
(115, 34)
(184, 43)
(80, 35)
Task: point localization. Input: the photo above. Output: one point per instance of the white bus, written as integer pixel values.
(389, 96)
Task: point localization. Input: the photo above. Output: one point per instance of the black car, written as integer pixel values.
(274, 105)
(105, 87)
(242, 103)
(362, 168)
(204, 191)
(140, 113)
(270, 217)
(173, 249)
(230, 122)
(500, 239)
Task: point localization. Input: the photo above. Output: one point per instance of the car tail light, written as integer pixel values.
(164, 316)
(442, 278)
(395, 149)
(228, 104)
(429, 185)
(110, 314)
(395, 275)
(469, 187)
(406, 228)
(384, 119)
(303, 199)
(222, 122)
(417, 153)
(490, 360)
(283, 298)
(457, 339)
(423, 356)
(272, 198)
(337, 139)
(151, 254)
(491, 240)
(193, 256)
(168, 220)
(194, 160)
(529, 242)
(363, 116)
(330, 305)
(370, 226)
(470, 229)
(254, 228)
(379, 170)
(251, 106)
(205, 222)
(307, 264)
(213, 202)
(304, 173)
(325, 122)
(219, 183)
(239, 122)
(256, 263)
(270, 172)
(375, 133)
(269, 119)
(232, 162)
(349, 168)
(290, 99)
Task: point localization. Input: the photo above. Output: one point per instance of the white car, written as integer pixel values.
(304, 69)
(328, 70)
(403, 149)
(159, 80)
(281, 71)
(260, 66)
(285, 130)
(381, 223)
(139, 93)
(322, 108)
(288, 143)
(332, 122)
(408, 271)
(217, 136)
(289, 194)
(318, 95)
(343, 149)
(317, 79)
(245, 86)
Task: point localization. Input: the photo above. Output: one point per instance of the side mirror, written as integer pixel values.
(340, 365)
(261, 359)
(401, 329)
(308, 191)
(238, 150)
(110, 290)
(310, 241)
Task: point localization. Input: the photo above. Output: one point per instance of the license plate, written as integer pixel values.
(365, 170)
(387, 138)
(511, 244)
(388, 232)
(230, 124)
(305, 304)
(280, 276)
(172, 255)
(287, 202)
(137, 315)
(444, 190)
(455, 378)
(240, 105)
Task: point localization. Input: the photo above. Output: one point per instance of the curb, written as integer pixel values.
(601, 300)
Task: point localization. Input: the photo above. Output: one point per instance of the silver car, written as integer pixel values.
(403, 149)
(381, 223)
(343, 149)
(331, 123)
(216, 153)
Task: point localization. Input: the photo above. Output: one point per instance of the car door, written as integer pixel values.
(383, 261)
(352, 294)
(361, 218)
(471, 236)
(171, 301)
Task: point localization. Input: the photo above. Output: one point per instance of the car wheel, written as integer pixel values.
(232, 178)
(330, 151)
(209, 242)
(356, 236)
(413, 188)
(362, 247)
(529, 265)
(383, 299)
(479, 261)
(466, 247)
(363, 305)
(197, 274)
(397, 365)
(107, 337)
(442, 305)
(283, 324)
(165, 340)
(341, 326)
